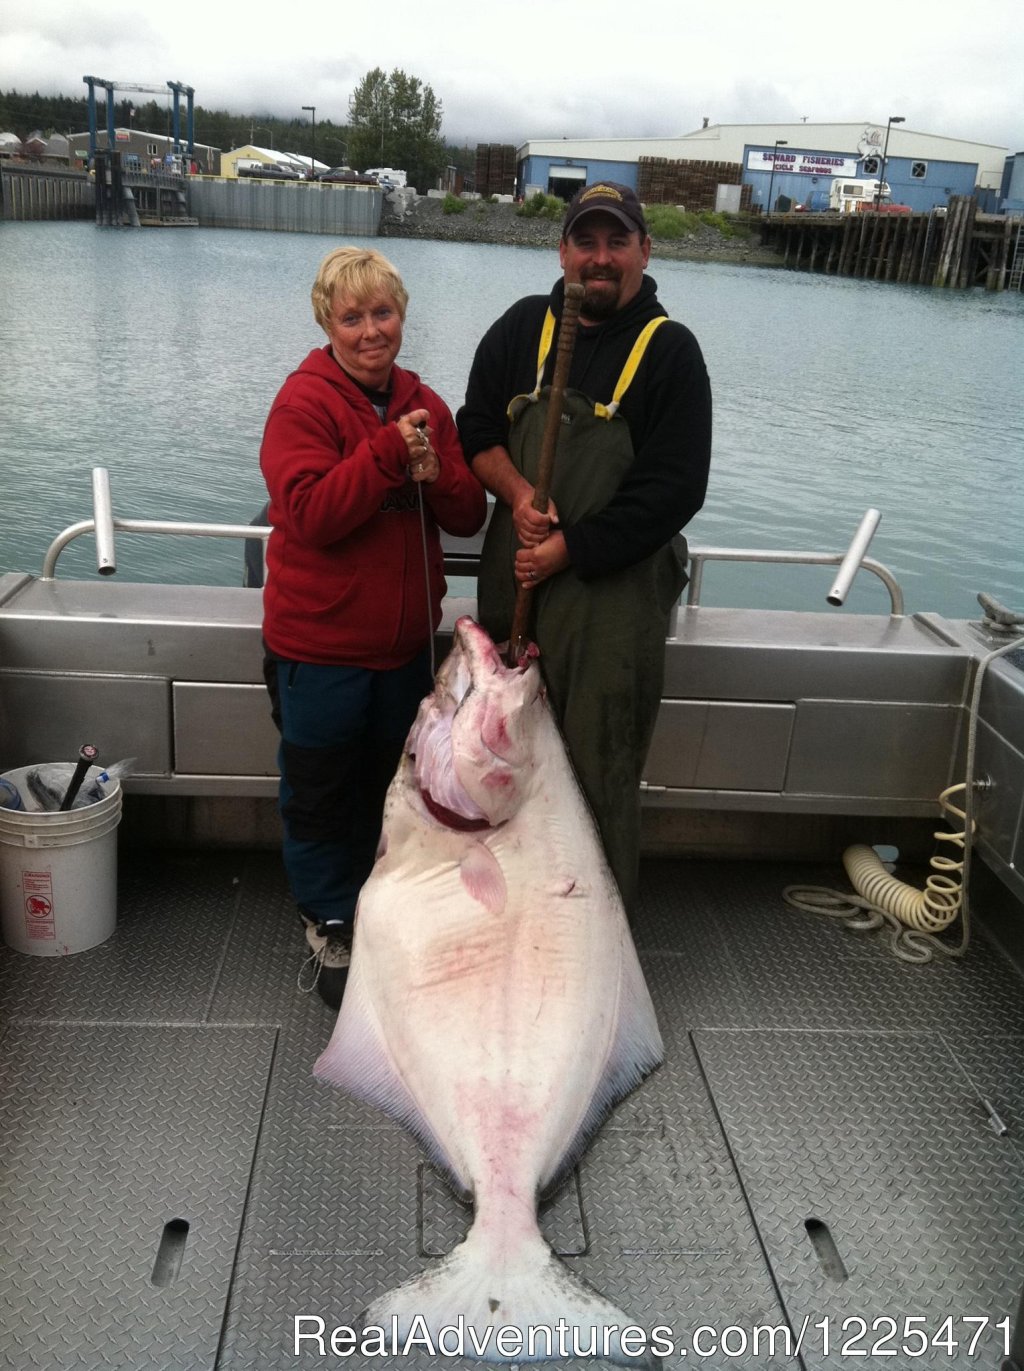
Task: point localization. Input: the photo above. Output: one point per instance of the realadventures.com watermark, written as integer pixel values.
(459, 1339)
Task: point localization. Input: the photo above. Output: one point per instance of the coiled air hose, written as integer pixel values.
(913, 916)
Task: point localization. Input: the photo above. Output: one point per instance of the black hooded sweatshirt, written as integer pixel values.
(667, 408)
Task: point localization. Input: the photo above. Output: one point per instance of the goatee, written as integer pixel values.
(600, 304)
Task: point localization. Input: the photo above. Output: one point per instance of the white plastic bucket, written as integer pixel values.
(58, 872)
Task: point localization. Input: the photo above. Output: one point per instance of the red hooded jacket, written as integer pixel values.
(345, 562)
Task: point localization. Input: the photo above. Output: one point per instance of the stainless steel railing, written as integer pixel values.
(143, 526)
(105, 525)
(849, 563)
(463, 558)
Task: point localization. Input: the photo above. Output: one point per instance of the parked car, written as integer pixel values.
(273, 171)
(348, 176)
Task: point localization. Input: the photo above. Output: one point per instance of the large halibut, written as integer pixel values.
(495, 1005)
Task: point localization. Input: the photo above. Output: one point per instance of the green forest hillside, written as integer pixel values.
(22, 114)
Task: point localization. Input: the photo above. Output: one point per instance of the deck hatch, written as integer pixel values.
(720, 745)
(223, 729)
(107, 1130)
(873, 749)
(48, 714)
(883, 1139)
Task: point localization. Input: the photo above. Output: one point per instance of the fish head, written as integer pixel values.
(475, 742)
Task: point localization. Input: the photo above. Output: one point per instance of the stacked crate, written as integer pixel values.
(495, 168)
(694, 185)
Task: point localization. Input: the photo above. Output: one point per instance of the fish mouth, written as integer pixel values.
(483, 654)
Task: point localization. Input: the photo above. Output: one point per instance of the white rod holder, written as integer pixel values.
(850, 564)
(103, 515)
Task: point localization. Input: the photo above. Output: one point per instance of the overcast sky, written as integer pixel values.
(510, 72)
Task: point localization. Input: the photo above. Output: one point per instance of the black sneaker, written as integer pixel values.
(326, 968)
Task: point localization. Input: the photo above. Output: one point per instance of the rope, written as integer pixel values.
(426, 577)
(311, 967)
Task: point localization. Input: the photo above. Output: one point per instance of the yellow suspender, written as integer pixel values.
(629, 370)
(634, 359)
(547, 334)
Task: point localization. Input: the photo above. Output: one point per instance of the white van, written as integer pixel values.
(388, 176)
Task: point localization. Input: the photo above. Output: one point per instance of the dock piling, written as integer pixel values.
(953, 246)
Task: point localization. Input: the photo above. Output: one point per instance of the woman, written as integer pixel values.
(363, 465)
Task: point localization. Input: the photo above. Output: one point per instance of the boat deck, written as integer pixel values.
(834, 1144)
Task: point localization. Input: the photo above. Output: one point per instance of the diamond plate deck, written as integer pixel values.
(808, 1075)
(883, 1139)
(108, 1134)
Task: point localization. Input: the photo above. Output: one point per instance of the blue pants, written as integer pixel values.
(342, 730)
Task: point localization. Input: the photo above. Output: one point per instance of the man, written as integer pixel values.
(631, 471)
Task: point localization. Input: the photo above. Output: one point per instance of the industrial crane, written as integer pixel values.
(110, 86)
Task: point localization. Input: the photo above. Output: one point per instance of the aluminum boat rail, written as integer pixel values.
(104, 524)
(849, 563)
(462, 555)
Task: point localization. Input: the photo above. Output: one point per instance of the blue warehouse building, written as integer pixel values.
(795, 164)
(802, 177)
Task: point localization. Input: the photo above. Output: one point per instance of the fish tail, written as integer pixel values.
(475, 1304)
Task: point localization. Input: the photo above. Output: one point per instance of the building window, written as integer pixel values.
(919, 170)
(152, 150)
(872, 166)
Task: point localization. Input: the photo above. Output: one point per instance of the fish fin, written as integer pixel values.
(357, 1061)
(634, 1050)
(479, 1289)
(483, 879)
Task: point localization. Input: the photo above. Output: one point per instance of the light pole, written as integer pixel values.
(258, 128)
(779, 143)
(312, 158)
(893, 119)
(338, 144)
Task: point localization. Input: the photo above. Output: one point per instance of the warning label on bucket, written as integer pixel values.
(37, 887)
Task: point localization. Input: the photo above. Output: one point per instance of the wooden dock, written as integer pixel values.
(954, 247)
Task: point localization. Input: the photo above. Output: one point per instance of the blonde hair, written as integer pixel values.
(359, 272)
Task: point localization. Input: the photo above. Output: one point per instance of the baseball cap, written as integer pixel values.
(612, 198)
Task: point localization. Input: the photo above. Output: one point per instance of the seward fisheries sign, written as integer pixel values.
(804, 163)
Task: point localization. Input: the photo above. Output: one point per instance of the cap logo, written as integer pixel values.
(609, 193)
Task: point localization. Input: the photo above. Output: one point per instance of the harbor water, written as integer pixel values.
(156, 354)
